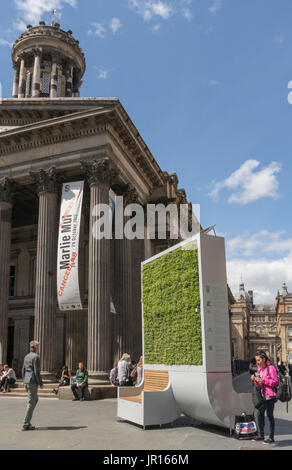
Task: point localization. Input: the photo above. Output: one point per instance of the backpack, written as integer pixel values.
(283, 389)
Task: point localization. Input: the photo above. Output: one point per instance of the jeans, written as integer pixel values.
(269, 407)
(32, 391)
(5, 382)
(83, 387)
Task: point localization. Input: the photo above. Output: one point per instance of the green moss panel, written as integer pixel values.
(171, 295)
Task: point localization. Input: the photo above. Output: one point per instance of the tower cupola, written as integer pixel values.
(48, 62)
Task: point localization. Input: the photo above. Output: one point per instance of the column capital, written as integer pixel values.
(37, 52)
(46, 181)
(130, 196)
(55, 57)
(99, 172)
(7, 190)
(22, 56)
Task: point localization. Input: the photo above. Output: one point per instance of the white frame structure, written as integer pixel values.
(204, 392)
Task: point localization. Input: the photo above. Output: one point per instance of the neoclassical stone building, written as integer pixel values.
(50, 135)
(284, 324)
(262, 327)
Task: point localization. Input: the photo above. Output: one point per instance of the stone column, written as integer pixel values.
(6, 197)
(126, 278)
(75, 331)
(36, 80)
(100, 175)
(15, 80)
(22, 78)
(77, 85)
(21, 342)
(69, 79)
(54, 77)
(45, 292)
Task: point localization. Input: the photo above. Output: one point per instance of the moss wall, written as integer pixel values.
(171, 295)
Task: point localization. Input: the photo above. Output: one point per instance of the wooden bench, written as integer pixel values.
(154, 381)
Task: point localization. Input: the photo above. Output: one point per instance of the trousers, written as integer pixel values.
(32, 391)
(83, 387)
(6, 381)
(269, 407)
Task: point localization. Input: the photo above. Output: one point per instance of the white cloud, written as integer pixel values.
(186, 12)
(99, 30)
(152, 9)
(263, 276)
(4, 42)
(251, 185)
(258, 244)
(156, 27)
(160, 8)
(103, 74)
(163, 9)
(263, 260)
(115, 25)
(215, 7)
(279, 40)
(32, 11)
(213, 83)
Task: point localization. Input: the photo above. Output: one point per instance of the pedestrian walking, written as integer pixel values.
(266, 378)
(32, 380)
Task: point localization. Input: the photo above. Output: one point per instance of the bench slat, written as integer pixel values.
(154, 380)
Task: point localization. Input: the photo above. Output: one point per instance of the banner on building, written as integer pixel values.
(68, 291)
(112, 203)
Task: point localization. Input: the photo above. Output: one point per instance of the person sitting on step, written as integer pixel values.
(65, 379)
(8, 378)
(81, 382)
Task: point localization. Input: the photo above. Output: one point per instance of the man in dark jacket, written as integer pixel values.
(32, 380)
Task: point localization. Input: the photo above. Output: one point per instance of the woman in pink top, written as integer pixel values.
(266, 378)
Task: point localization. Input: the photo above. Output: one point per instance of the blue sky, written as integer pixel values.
(206, 84)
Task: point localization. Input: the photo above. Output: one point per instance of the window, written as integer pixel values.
(290, 331)
(289, 309)
(59, 86)
(12, 281)
(46, 83)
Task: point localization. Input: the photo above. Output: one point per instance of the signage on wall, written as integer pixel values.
(68, 291)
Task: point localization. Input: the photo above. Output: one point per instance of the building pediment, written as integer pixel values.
(36, 123)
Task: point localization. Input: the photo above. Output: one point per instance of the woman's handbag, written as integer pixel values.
(257, 398)
(133, 374)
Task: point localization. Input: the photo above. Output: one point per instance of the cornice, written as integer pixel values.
(85, 124)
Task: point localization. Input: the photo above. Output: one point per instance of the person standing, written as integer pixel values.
(266, 379)
(32, 380)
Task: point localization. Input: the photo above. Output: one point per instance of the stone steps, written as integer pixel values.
(95, 392)
(18, 390)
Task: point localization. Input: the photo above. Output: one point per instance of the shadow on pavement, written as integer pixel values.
(287, 443)
(60, 428)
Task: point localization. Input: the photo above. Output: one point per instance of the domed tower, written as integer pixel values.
(48, 62)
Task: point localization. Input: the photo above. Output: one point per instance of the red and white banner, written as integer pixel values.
(68, 292)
